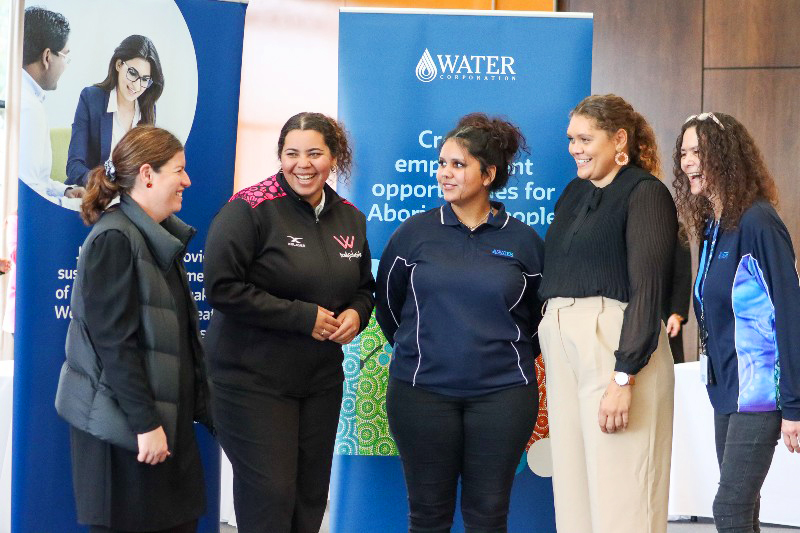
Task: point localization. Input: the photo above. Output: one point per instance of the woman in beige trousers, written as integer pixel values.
(609, 369)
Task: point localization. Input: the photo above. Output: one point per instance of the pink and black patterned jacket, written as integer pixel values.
(269, 262)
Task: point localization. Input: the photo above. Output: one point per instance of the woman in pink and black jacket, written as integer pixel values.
(287, 271)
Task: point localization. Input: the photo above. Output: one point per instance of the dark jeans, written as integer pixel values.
(281, 449)
(188, 527)
(480, 439)
(745, 446)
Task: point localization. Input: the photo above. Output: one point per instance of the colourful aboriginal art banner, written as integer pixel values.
(405, 77)
(199, 43)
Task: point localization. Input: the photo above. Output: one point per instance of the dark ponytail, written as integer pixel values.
(100, 190)
(493, 141)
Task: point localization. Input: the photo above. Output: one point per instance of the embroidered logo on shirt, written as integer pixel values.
(723, 255)
(350, 255)
(503, 253)
(345, 242)
(295, 241)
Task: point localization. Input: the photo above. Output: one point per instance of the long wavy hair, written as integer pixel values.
(612, 113)
(132, 47)
(734, 172)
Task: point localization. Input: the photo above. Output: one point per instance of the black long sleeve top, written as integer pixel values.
(111, 487)
(616, 241)
(269, 262)
(680, 290)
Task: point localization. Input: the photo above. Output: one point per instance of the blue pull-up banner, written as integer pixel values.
(405, 78)
(199, 43)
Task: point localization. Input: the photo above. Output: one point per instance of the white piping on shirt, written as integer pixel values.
(519, 332)
(416, 306)
(388, 282)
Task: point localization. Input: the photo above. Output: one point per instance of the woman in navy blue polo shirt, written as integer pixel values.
(747, 300)
(457, 298)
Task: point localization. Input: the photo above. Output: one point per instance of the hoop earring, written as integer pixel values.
(621, 158)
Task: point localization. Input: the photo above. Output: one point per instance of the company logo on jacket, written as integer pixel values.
(465, 67)
(295, 241)
(347, 242)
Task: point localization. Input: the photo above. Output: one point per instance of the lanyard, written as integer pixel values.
(699, 288)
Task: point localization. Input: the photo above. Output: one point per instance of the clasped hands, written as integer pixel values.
(341, 329)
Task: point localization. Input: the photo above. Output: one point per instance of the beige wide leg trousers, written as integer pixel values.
(605, 483)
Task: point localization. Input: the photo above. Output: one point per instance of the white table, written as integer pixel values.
(6, 398)
(226, 512)
(695, 474)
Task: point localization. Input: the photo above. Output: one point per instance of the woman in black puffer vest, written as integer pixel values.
(134, 379)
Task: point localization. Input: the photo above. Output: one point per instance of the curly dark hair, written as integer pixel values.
(493, 141)
(612, 113)
(332, 131)
(733, 168)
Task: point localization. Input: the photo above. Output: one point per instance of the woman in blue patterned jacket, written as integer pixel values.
(747, 300)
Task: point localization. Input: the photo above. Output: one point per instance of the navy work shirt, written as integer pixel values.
(751, 299)
(461, 306)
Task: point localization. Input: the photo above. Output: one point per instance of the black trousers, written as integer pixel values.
(281, 449)
(441, 438)
(745, 446)
(189, 527)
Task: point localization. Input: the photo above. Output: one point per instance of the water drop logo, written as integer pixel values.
(426, 68)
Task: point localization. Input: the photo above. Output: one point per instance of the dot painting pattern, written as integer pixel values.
(363, 426)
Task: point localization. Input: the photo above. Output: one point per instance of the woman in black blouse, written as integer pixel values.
(679, 292)
(134, 380)
(608, 254)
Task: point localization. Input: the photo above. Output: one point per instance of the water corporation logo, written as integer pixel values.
(465, 67)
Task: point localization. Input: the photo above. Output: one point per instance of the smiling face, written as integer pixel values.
(165, 197)
(306, 163)
(690, 162)
(131, 90)
(459, 175)
(594, 149)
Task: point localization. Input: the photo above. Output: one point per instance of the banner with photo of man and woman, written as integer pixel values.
(193, 50)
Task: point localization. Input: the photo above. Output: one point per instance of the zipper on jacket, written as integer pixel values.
(327, 261)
